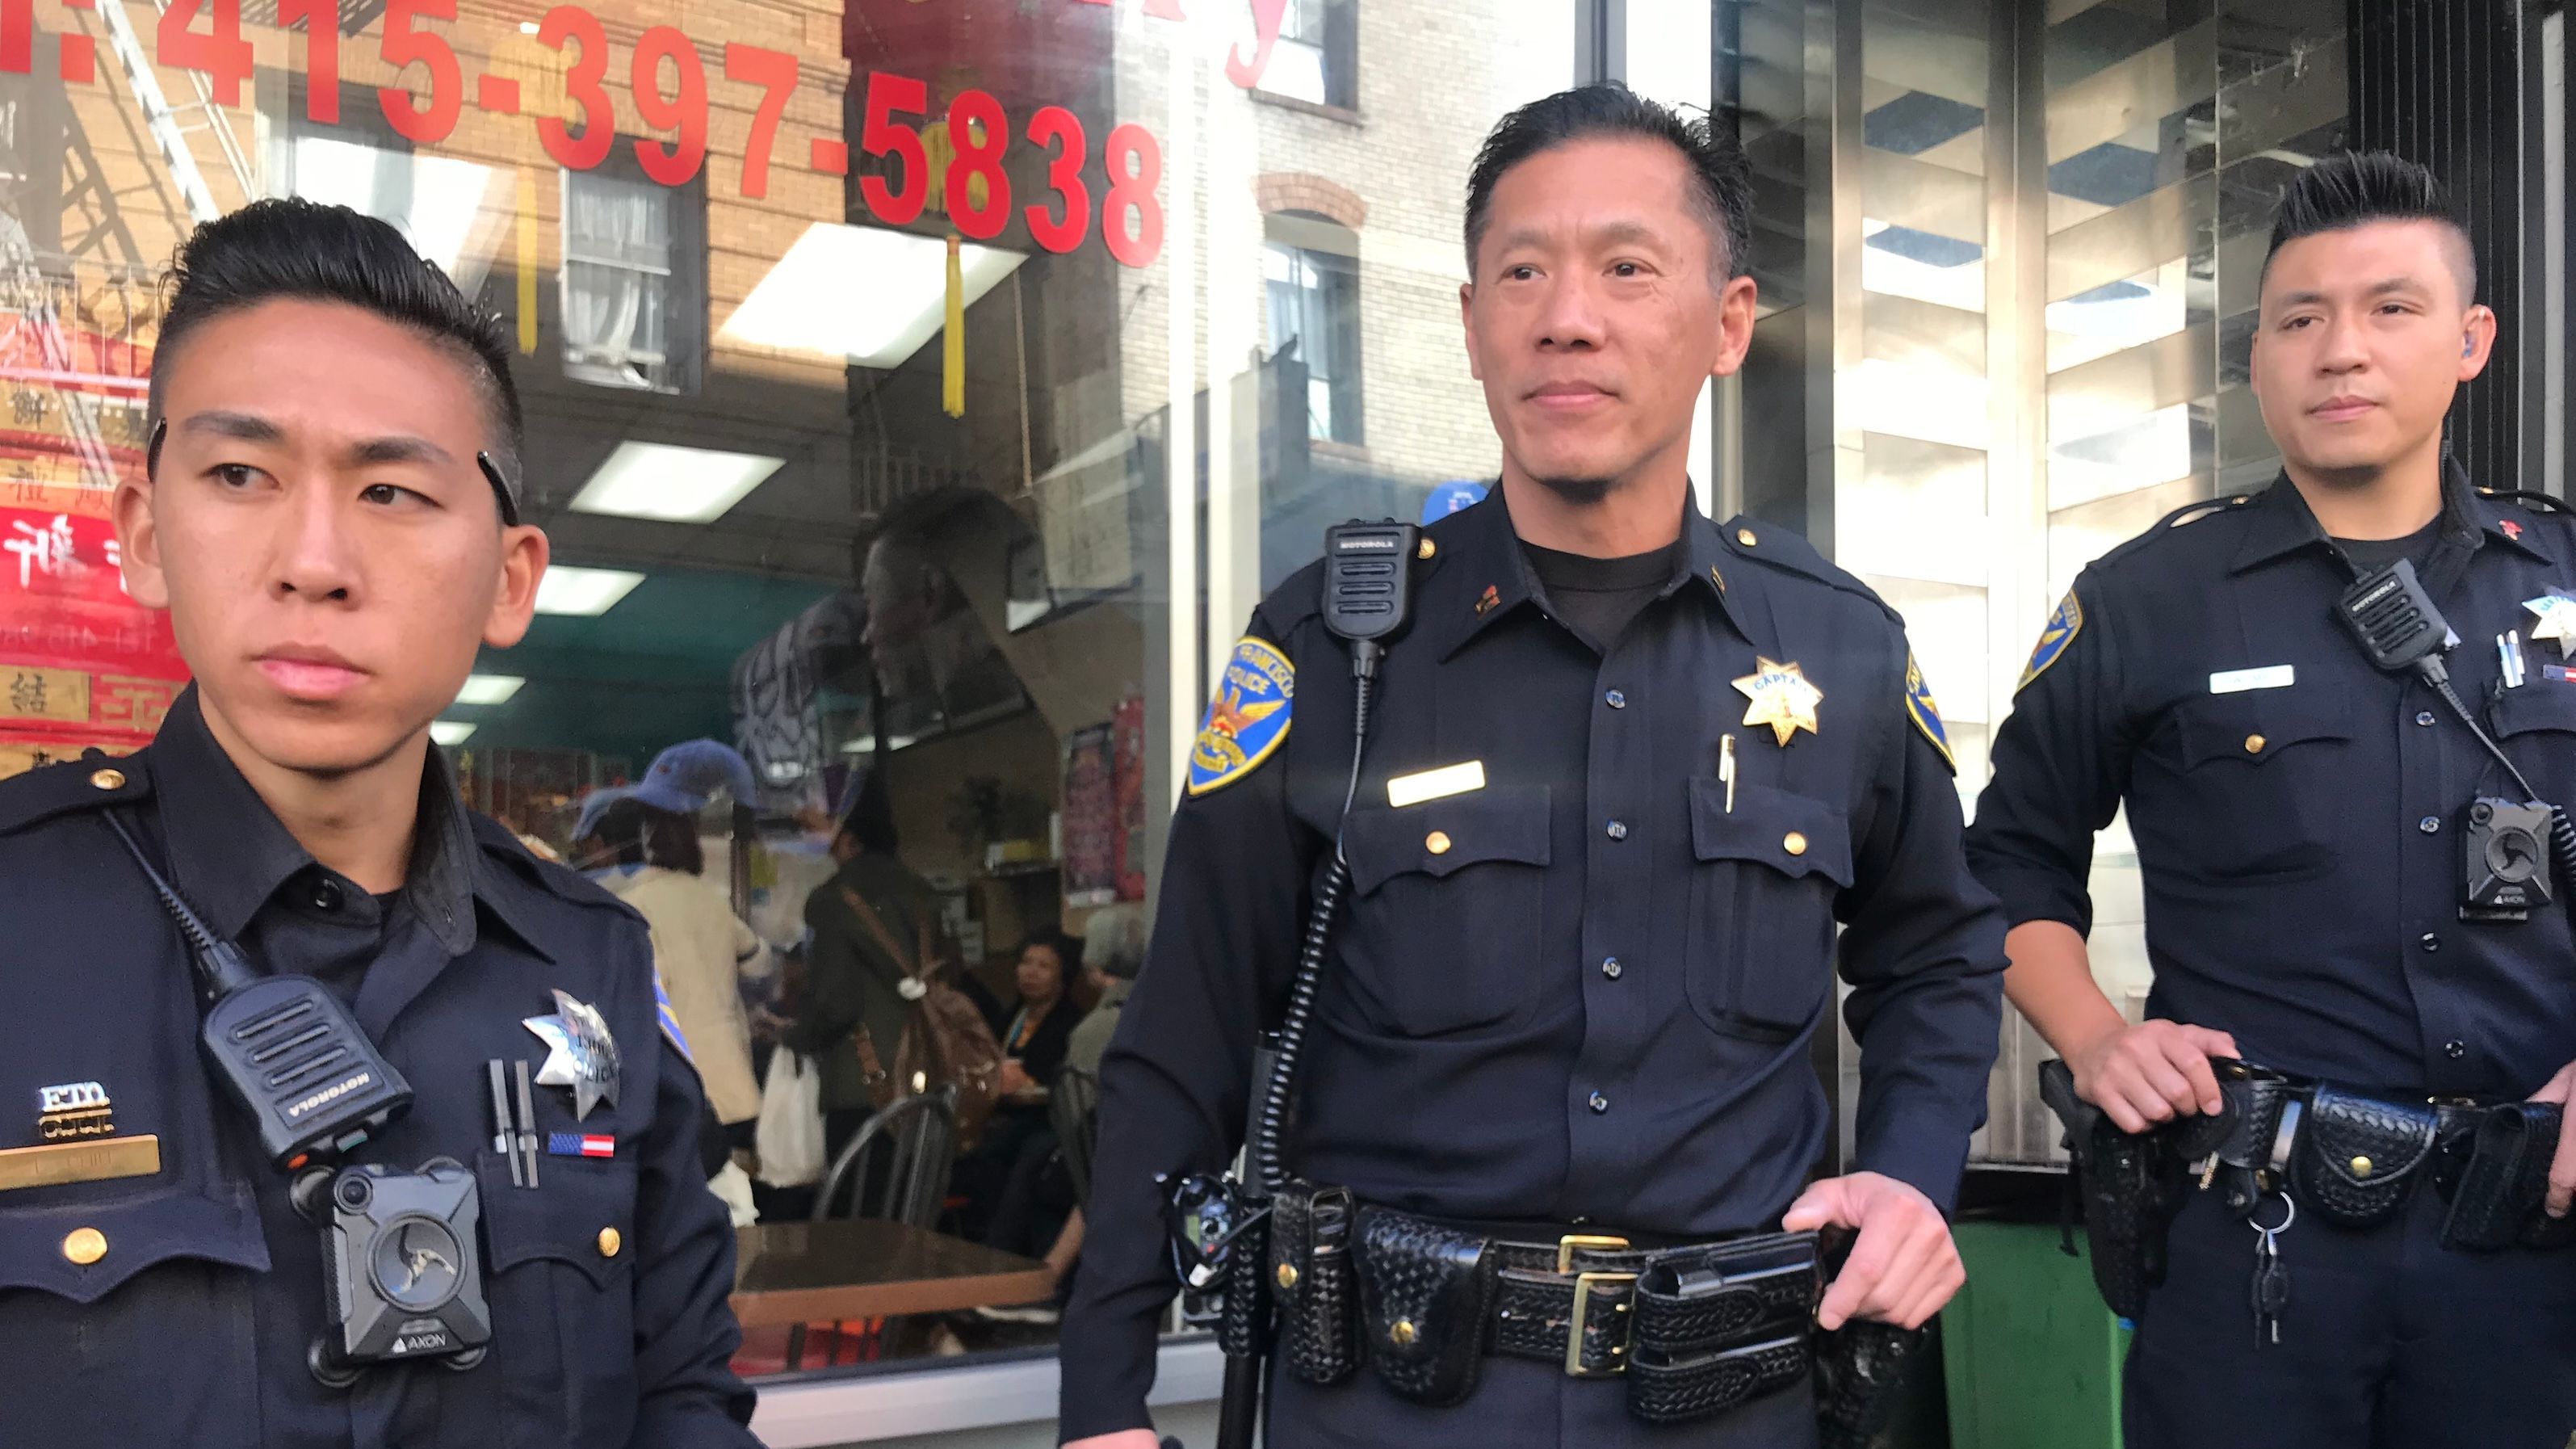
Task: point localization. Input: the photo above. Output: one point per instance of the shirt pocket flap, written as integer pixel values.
(1791, 833)
(37, 1248)
(2258, 725)
(2543, 706)
(568, 1216)
(1497, 823)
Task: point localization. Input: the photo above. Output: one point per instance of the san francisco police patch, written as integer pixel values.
(1247, 721)
(1925, 714)
(2062, 628)
(670, 1022)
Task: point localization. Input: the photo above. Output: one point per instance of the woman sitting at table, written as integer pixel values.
(1033, 1038)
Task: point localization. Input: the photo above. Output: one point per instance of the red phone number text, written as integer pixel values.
(977, 191)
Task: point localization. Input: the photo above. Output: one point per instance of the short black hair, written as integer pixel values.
(291, 249)
(1721, 189)
(2356, 188)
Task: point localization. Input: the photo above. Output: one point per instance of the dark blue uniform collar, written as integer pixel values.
(1484, 573)
(2278, 521)
(229, 853)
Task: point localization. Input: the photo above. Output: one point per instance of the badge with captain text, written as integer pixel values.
(1925, 714)
(581, 1055)
(2060, 631)
(73, 1111)
(1247, 721)
(2557, 621)
(1782, 698)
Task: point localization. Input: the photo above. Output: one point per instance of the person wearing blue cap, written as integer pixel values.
(642, 844)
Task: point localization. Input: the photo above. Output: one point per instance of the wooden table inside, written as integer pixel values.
(868, 1268)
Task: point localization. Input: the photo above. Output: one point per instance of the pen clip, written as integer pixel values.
(1726, 769)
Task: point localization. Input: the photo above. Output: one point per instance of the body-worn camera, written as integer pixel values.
(401, 1272)
(2505, 860)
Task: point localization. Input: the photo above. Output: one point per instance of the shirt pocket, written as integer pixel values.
(1447, 909)
(2536, 725)
(2261, 776)
(562, 1293)
(154, 1333)
(1758, 960)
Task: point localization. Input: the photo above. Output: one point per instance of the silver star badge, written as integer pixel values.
(2557, 621)
(581, 1055)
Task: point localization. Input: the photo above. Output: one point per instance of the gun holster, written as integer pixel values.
(2126, 1186)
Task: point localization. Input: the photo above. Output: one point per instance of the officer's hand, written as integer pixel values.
(1123, 1439)
(2145, 1074)
(2562, 1168)
(1902, 1268)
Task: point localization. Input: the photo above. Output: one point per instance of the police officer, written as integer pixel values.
(330, 517)
(2310, 850)
(1628, 769)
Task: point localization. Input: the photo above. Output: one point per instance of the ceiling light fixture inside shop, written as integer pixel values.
(585, 592)
(489, 688)
(672, 483)
(862, 292)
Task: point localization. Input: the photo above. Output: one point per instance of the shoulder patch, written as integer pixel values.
(670, 1022)
(1925, 714)
(2060, 631)
(1247, 721)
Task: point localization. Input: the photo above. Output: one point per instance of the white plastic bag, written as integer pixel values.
(790, 1135)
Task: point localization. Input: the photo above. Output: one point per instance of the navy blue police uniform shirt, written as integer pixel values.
(2298, 811)
(1573, 986)
(607, 1282)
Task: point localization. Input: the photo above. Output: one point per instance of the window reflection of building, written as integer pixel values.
(1314, 309)
(631, 295)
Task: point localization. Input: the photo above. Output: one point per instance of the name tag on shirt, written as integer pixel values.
(56, 1163)
(1448, 780)
(2237, 681)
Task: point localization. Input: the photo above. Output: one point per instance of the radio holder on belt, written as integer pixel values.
(1220, 1227)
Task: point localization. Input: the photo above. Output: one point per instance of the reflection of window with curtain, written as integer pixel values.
(628, 301)
(1313, 58)
(1314, 305)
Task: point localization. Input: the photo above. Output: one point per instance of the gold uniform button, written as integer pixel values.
(1402, 1333)
(85, 1246)
(1795, 843)
(1744, 536)
(1437, 842)
(2253, 744)
(1287, 1276)
(609, 1242)
(2361, 1167)
(108, 780)
(1427, 549)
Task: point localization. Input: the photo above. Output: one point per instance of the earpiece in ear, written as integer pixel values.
(2468, 345)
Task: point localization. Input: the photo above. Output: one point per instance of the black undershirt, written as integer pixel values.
(2369, 555)
(1597, 597)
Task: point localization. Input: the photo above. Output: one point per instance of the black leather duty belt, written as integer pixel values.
(1695, 1329)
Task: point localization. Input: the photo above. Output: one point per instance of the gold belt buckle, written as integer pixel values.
(1584, 1283)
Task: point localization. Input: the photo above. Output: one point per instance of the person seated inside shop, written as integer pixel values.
(998, 1177)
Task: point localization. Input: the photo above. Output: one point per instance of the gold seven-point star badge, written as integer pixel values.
(1782, 698)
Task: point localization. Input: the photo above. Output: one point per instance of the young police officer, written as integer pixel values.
(330, 517)
(2310, 852)
(1627, 770)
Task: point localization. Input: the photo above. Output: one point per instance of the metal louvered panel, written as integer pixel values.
(2454, 84)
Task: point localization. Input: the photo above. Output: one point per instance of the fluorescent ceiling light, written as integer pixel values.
(672, 483)
(861, 292)
(587, 592)
(450, 731)
(489, 688)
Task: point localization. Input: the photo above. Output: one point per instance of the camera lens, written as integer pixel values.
(355, 1193)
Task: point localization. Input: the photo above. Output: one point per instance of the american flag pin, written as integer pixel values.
(580, 1144)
